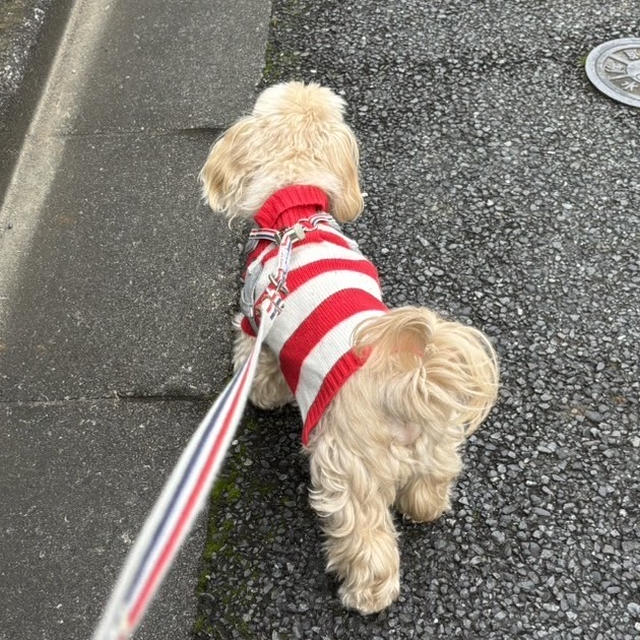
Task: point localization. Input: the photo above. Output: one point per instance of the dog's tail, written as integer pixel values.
(433, 373)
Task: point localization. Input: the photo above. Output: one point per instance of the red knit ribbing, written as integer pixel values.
(341, 371)
(286, 206)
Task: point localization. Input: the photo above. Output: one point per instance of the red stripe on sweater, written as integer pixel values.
(318, 235)
(343, 369)
(328, 314)
(252, 255)
(300, 276)
(246, 327)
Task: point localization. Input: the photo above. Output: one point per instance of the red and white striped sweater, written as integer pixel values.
(332, 288)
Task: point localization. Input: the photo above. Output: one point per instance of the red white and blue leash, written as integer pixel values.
(185, 492)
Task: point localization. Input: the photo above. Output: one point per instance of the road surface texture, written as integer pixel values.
(504, 191)
(115, 295)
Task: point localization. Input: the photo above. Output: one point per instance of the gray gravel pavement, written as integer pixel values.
(503, 190)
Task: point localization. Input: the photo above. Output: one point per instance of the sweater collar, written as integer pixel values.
(286, 206)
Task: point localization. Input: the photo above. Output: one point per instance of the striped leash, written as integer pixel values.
(184, 493)
(182, 498)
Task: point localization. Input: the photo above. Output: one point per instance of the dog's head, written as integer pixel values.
(296, 134)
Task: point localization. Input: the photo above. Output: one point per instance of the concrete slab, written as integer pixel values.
(126, 287)
(76, 482)
(158, 65)
(114, 281)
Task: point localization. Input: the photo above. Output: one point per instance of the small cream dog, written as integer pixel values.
(387, 396)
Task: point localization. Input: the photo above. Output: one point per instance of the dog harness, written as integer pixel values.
(330, 289)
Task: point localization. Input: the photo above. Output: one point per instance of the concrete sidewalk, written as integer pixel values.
(115, 291)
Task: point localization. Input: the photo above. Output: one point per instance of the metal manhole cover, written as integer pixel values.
(614, 68)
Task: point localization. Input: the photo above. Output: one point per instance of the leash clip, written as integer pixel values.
(276, 291)
(299, 231)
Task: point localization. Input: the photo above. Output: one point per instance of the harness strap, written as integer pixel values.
(275, 235)
(276, 289)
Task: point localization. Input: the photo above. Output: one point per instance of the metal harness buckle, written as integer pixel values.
(276, 290)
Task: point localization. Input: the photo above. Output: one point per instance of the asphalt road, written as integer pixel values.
(504, 191)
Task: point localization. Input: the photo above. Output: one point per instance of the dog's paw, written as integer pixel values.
(423, 500)
(272, 394)
(426, 511)
(373, 597)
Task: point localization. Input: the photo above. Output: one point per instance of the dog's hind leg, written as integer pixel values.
(360, 543)
(426, 494)
(425, 497)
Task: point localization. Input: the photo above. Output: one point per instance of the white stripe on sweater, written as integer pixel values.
(327, 228)
(300, 304)
(322, 358)
(305, 254)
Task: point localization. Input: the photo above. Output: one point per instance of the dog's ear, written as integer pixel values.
(228, 167)
(341, 157)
